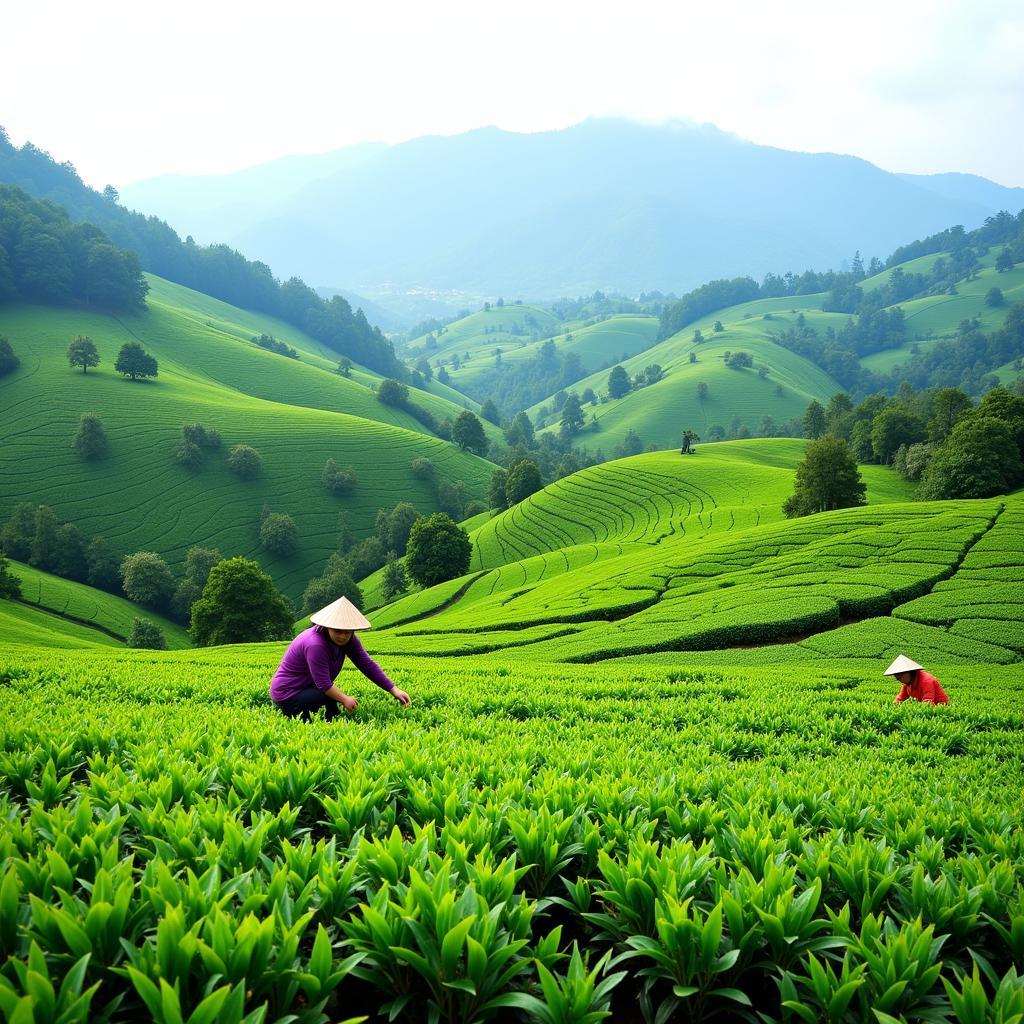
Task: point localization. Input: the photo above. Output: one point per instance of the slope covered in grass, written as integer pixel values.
(597, 345)
(33, 628)
(500, 325)
(660, 412)
(139, 498)
(634, 504)
(87, 606)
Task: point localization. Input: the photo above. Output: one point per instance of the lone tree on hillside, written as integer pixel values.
(338, 481)
(147, 580)
(245, 462)
(240, 605)
(279, 535)
(9, 362)
(10, 586)
(523, 480)
(468, 433)
(135, 362)
(702, 391)
(689, 437)
(618, 383)
(572, 416)
(336, 581)
(827, 479)
(994, 297)
(395, 582)
(439, 550)
(91, 440)
(393, 392)
(82, 352)
(146, 634)
(815, 422)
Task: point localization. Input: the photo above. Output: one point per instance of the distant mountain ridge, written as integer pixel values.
(605, 204)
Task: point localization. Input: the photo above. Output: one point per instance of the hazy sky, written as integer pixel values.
(127, 90)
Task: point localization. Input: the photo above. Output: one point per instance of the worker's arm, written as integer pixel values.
(362, 661)
(902, 695)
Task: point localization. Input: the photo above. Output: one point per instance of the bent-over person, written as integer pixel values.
(304, 681)
(915, 683)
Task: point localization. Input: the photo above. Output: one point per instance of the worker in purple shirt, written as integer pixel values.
(304, 681)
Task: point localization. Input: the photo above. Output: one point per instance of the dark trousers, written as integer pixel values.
(305, 702)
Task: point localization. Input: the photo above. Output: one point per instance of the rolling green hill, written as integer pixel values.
(499, 325)
(631, 505)
(660, 412)
(294, 412)
(596, 344)
(943, 580)
(80, 605)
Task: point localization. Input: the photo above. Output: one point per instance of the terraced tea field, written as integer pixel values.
(716, 844)
(108, 617)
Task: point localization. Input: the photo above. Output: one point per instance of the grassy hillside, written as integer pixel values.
(22, 624)
(500, 325)
(214, 339)
(942, 581)
(140, 499)
(660, 412)
(596, 344)
(632, 505)
(82, 605)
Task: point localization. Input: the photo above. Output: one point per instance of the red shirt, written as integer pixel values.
(924, 688)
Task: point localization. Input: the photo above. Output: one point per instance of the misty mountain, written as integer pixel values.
(606, 204)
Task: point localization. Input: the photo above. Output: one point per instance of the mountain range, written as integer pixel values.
(606, 204)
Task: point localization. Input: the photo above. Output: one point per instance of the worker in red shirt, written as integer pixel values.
(915, 682)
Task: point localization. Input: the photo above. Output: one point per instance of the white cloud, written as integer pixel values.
(127, 90)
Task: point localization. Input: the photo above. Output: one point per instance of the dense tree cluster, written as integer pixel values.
(439, 550)
(240, 605)
(271, 344)
(826, 479)
(937, 437)
(216, 270)
(46, 258)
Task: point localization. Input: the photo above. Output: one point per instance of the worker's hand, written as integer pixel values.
(400, 695)
(349, 703)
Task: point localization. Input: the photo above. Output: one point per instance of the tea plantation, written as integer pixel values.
(524, 842)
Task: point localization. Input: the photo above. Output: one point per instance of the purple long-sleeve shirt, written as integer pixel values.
(314, 659)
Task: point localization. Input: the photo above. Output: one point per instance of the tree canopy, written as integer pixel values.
(135, 362)
(826, 479)
(439, 550)
(240, 605)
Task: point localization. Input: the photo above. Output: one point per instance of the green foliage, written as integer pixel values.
(394, 527)
(279, 534)
(978, 459)
(619, 383)
(337, 480)
(393, 392)
(82, 352)
(438, 550)
(245, 462)
(523, 479)
(10, 585)
(146, 579)
(52, 261)
(146, 634)
(394, 582)
(9, 362)
(814, 422)
(335, 581)
(468, 434)
(91, 439)
(826, 480)
(239, 605)
(135, 362)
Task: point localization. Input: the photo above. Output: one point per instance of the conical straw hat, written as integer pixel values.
(901, 664)
(342, 614)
